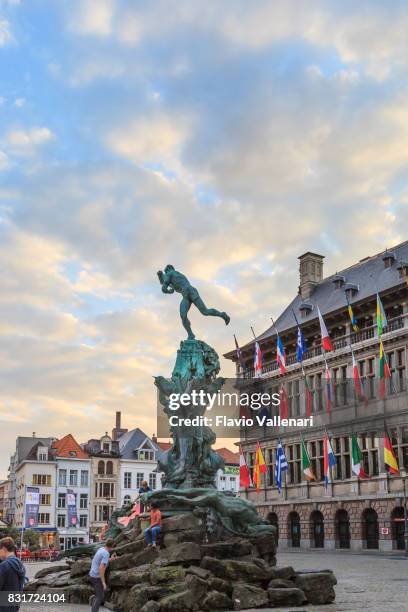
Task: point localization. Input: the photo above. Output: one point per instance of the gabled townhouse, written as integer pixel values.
(73, 477)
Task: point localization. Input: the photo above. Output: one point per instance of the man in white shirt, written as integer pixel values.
(97, 574)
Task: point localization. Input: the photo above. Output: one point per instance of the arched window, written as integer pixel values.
(370, 528)
(317, 529)
(398, 528)
(109, 467)
(294, 529)
(272, 518)
(101, 467)
(342, 529)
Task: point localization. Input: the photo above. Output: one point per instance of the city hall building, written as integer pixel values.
(351, 513)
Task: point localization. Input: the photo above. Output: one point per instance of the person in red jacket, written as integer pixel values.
(152, 532)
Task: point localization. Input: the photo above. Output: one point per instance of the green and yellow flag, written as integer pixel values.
(384, 370)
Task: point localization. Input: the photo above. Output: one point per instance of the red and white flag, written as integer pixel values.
(326, 342)
(244, 475)
(357, 382)
(258, 360)
(284, 405)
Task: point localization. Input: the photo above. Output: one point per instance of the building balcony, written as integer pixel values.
(364, 338)
(105, 477)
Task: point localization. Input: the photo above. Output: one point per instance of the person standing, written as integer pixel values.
(154, 530)
(97, 574)
(12, 571)
(144, 489)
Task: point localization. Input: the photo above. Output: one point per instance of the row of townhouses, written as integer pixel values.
(351, 513)
(103, 474)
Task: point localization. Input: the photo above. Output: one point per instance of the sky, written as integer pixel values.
(225, 138)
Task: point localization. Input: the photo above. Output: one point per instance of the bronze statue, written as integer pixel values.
(172, 281)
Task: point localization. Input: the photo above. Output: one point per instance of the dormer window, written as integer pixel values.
(338, 281)
(388, 259)
(72, 453)
(351, 289)
(106, 447)
(42, 454)
(403, 269)
(305, 308)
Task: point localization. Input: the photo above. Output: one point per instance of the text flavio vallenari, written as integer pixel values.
(220, 420)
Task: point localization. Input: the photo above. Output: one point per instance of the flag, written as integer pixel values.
(258, 360)
(283, 406)
(357, 459)
(280, 354)
(384, 371)
(281, 465)
(381, 317)
(328, 390)
(306, 464)
(329, 459)
(358, 388)
(390, 459)
(326, 342)
(260, 467)
(239, 353)
(244, 475)
(301, 347)
(308, 398)
(352, 316)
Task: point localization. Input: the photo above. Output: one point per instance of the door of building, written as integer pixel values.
(294, 529)
(343, 529)
(371, 530)
(318, 529)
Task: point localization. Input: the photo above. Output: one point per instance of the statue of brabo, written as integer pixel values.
(172, 281)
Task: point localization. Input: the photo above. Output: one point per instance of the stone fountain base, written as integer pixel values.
(188, 573)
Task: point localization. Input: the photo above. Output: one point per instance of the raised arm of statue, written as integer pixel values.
(165, 282)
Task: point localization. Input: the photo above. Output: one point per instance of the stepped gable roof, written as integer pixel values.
(132, 440)
(369, 275)
(69, 448)
(230, 458)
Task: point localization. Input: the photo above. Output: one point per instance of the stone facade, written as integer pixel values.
(352, 513)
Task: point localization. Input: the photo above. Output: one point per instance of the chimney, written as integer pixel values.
(311, 273)
(154, 439)
(117, 431)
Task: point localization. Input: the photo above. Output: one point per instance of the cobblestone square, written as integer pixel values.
(370, 582)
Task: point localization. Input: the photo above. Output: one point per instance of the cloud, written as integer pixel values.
(91, 17)
(25, 141)
(5, 33)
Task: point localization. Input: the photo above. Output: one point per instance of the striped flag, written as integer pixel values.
(328, 390)
(384, 371)
(352, 316)
(306, 463)
(326, 342)
(244, 475)
(239, 353)
(258, 360)
(281, 465)
(260, 468)
(308, 397)
(280, 354)
(284, 405)
(329, 460)
(381, 317)
(390, 459)
(358, 388)
(357, 465)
